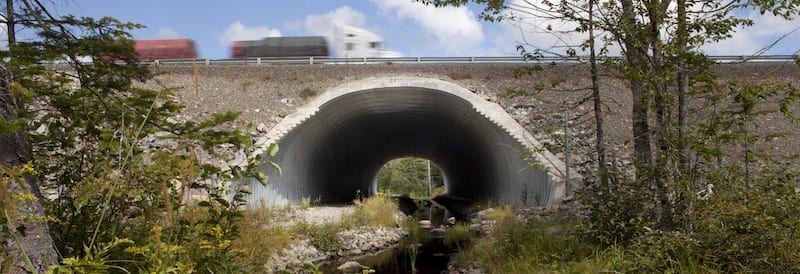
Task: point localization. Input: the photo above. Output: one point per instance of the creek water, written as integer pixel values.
(419, 252)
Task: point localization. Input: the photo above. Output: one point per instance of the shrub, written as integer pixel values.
(377, 210)
(615, 215)
(458, 235)
(261, 236)
(535, 246)
(323, 236)
(751, 225)
(308, 93)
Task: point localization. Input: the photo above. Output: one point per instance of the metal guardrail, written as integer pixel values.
(440, 60)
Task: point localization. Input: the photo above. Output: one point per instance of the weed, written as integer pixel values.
(458, 235)
(519, 246)
(247, 83)
(323, 236)
(310, 78)
(513, 92)
(340, 75)
(376, 210)
(261, 235)
(309, 265)
(305, 203)
(460, 75)
(308, 93)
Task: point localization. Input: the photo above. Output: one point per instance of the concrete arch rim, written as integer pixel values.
(489, 110)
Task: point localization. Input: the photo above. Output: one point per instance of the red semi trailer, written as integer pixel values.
(161, 49)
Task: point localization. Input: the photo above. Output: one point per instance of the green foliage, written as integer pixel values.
(410, 176)
(262, 235)
(618, 214)
(664, 214)
(751, 226)
(312, 267)
(8, 127)
(416, 234)
(373, 211)
(458, 235)
(535, 246)
(492, 11)
(95, 259)
(10, 203)
(323, 236)
(379, 210)
(113, 189)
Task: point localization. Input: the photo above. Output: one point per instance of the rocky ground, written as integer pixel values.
(355, 242)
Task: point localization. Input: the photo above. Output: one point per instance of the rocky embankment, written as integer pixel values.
(356, 242)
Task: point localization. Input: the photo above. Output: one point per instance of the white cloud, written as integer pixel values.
(324, 24)
(528, 25)
(238, 31)
(766, 29)
(457, 30)
(167, 33)
(748, 40)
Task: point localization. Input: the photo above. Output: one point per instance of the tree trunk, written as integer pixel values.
(686, 205)
(10, 30)
(634, 52)
(683, 87)
(598, 106)
(29, 245)
(662, 98)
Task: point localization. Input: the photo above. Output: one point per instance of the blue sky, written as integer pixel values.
(410, 28)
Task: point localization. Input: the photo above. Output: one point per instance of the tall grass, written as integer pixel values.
(262, 234)
(377, 210)
(519, 246)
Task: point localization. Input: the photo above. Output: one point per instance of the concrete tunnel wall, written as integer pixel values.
(332, 148)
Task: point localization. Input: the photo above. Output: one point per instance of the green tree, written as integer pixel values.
(114, 202)
(660, 47)
(410, 176)
(670, 217)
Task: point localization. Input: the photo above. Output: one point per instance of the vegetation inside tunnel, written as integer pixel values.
(416, 177)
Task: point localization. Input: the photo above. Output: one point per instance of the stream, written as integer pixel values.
(424, 250)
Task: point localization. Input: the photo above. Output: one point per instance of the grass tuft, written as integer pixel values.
(261, 235)
(460, 75)
(377, 210)
(308, 93)
(323, 236)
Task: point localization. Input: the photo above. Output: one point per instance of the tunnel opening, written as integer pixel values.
(412, 176)
(332, 148)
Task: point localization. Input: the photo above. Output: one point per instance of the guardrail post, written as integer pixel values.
(364, 60)
(472, 59)
(419, 60)
(258, 61)
(208, 62)
(311, 60)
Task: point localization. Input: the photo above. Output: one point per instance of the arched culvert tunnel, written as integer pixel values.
(332, 149)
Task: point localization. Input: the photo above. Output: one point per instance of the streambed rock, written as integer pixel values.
(351, 267)
(353, 242)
